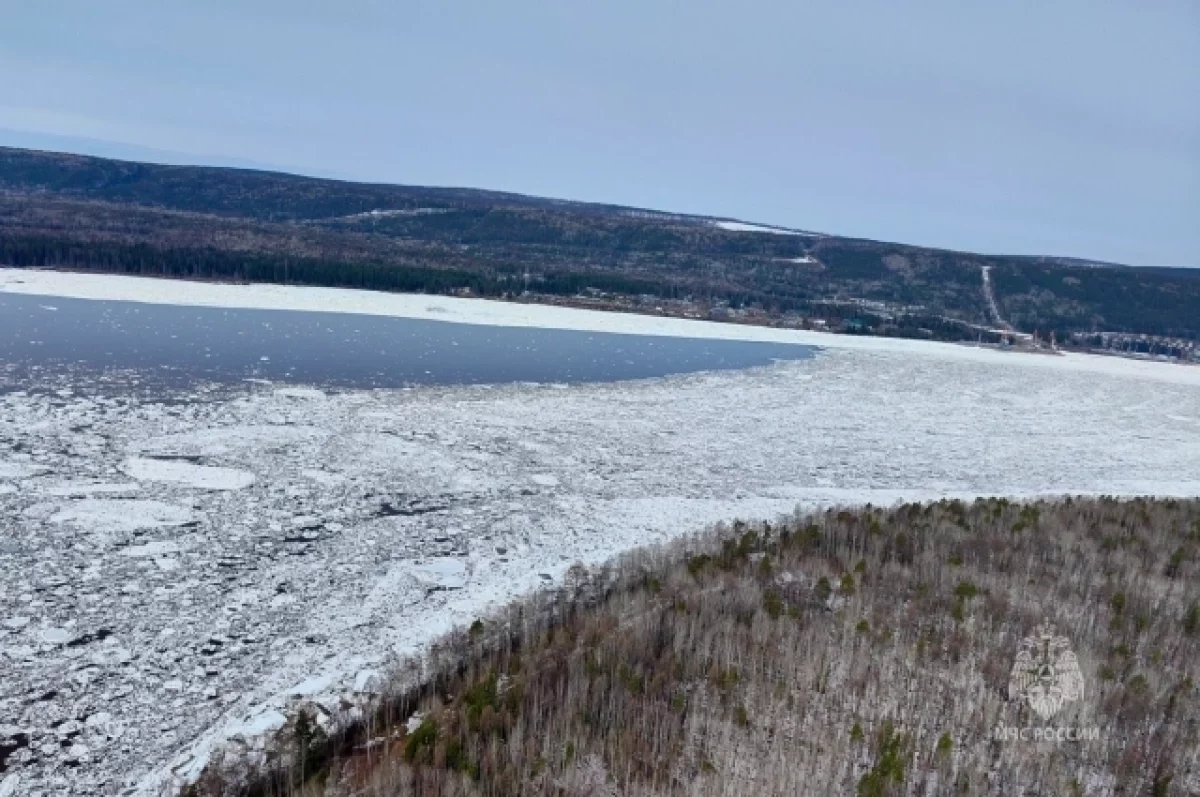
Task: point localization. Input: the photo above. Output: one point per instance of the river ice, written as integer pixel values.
(176, 571)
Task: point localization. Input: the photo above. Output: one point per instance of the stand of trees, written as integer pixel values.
(211, 263)
(114, 257)
(866, 651)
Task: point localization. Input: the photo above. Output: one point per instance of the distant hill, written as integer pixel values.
(71, 211)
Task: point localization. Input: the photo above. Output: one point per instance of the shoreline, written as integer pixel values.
(491, 312)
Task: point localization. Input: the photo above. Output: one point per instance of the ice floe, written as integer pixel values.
(203, 477)
(156, 549)
(441, 573)
(15, 469)
(97, 514)
(8, 786)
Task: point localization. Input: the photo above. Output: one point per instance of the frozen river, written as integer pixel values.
(160, 560)
(175, 346)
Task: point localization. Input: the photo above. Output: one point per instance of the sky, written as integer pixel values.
(1060, 127)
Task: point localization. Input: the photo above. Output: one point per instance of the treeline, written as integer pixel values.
(142, 259)
(866, 651)
(914, 326)
(217, 264)
(1150, 347)
(39, 251)
(212, 263)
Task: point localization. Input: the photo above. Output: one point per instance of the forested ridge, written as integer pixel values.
(68, 211)
(865, 651)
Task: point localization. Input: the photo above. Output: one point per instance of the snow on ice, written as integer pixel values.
(177, 571)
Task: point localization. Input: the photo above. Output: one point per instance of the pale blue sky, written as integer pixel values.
(1056, 127)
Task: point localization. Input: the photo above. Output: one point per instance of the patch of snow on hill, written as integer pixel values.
(741, 226)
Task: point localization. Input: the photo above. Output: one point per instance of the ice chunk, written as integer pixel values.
(200, 476)
(102, 515)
